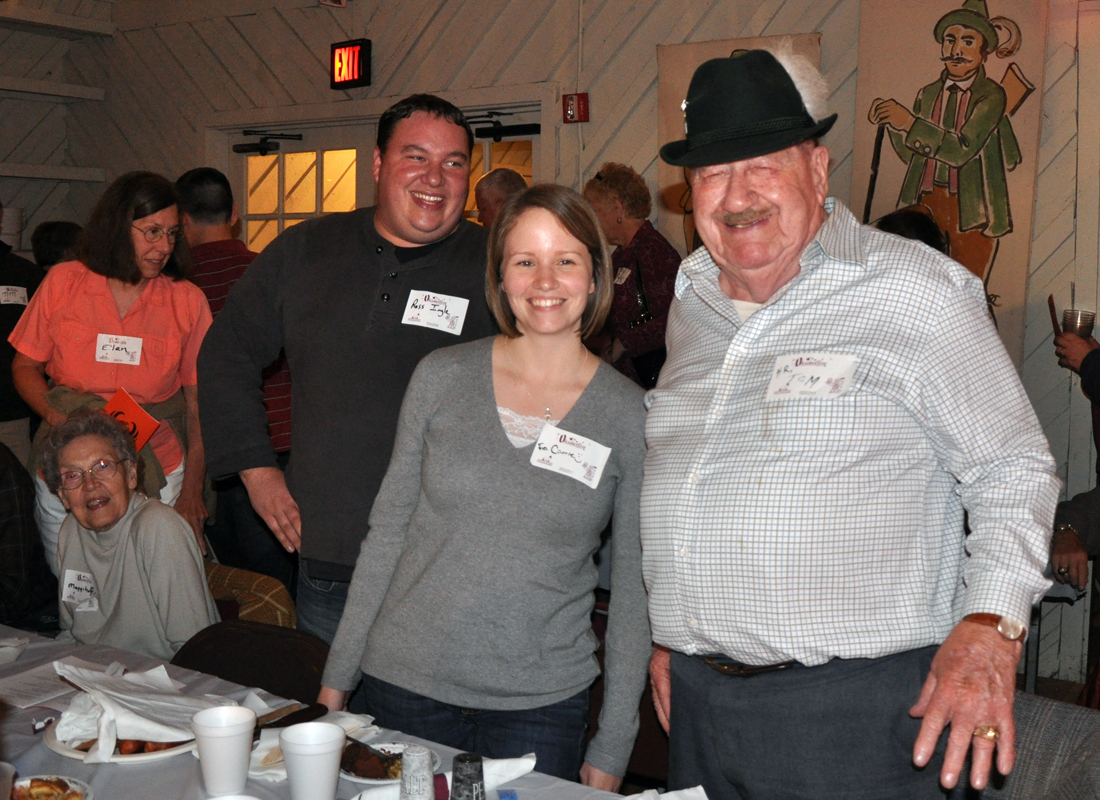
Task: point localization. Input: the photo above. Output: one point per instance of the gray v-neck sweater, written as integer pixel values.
(475, 584)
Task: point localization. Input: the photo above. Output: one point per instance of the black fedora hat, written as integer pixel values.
(741, 107)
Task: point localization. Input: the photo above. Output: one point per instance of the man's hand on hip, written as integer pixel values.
(267, 490)
(660, 677)
(972, 684)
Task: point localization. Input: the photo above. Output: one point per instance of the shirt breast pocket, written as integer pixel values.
(161, 355)
(76, 342)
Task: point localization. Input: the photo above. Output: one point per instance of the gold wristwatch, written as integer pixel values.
(1009, 628)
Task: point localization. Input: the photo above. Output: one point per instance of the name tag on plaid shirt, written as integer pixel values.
(803, 375)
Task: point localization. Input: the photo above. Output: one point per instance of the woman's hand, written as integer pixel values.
(1070, 561)
(1071, 350)
(191, 507)
(597, 779)
(335, 700)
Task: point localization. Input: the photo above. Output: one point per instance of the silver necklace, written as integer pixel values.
(522, 385)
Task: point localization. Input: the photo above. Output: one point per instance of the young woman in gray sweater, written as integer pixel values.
(468, 618)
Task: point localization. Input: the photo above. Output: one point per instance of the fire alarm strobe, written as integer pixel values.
(574, 107)
(349, 64)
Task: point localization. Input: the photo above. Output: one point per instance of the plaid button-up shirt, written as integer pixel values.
(812, 528)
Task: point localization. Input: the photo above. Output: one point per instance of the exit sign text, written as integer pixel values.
(349, 65)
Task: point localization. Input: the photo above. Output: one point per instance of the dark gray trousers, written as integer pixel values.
(841, 730)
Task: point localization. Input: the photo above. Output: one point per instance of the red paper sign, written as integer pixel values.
(133, 417)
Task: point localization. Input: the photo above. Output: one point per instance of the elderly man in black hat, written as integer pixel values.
(821, 615)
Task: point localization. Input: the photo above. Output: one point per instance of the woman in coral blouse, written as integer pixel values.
(121, 316)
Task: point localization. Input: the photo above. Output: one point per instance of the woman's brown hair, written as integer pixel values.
(105, 246)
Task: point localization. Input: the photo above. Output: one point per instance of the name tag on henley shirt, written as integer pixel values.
(440, 312)
(571, 455)
(118, 349)
(802, 375)
(13, 295)
(79, 590)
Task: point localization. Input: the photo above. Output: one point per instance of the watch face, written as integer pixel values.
(1011, 629)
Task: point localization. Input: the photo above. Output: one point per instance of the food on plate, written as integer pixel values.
(364, 761)
(84, 747)
(129, 747)
(46, 789)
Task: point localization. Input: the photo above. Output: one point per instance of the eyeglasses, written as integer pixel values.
(101, 470)
(155, 234)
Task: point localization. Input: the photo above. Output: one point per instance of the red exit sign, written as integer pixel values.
(349, 64)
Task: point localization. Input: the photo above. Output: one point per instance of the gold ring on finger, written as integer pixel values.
(988, 732)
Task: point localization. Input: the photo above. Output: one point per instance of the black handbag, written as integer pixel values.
(646, 365)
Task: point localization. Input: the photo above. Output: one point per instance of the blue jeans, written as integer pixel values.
(320, 605)
(557, 734)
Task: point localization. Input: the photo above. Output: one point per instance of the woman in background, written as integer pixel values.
(121, 316)
(645, 267)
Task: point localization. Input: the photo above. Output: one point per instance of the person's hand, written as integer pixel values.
(1071, 350)
(1069, 559)
(267, 490)
(892, 113)
(598, 779)
(972, 683)
(660, 678)
(335, 700)
(191, 507)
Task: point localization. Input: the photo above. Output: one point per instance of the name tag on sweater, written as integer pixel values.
(118, 349)
(801, 375)
(79, 591)
(571, 455)
(13, 295)
(440, 312)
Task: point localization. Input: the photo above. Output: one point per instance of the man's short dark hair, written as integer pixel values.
(106, 248)
(429, 104)
(205, 196)
(53, 242)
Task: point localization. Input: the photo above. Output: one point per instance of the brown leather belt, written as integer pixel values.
(739, 670)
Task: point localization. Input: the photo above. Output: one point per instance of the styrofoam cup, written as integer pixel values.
(311, 752)
(224, 737)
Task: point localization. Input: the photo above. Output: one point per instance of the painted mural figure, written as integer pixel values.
(958, 140)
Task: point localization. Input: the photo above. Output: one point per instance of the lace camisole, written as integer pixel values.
(521, 429)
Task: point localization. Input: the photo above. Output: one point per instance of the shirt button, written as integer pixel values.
(378, 249)
(385, 297)
(740, 350)
(693, 478)
(683, 552)
(692, 622)
(393, 274)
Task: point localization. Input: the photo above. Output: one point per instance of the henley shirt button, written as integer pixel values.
(393, 274)
(385, 297)
(378, 249)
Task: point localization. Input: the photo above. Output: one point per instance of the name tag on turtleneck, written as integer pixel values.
(571, 455)
(441, 312)
(79, 590)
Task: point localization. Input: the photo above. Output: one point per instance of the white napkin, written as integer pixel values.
(694, 793)
(497, 772)
(138, 705)
(267, 765)
(11, 649)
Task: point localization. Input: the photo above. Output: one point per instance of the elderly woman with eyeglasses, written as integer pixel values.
(131, 572)
(121, 316)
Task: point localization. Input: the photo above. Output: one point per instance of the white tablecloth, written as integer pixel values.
(179, 777)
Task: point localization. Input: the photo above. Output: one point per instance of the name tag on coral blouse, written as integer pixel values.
(440, 312)
(79, 591)
(571, 455)
(118, 349)
(13, 295)
(802, 375)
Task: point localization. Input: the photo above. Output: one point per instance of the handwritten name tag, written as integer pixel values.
(79, 590)
(621, 276)
(570, 454)
(118, 349)
(824, 375)
(440, 312)
(13, 295)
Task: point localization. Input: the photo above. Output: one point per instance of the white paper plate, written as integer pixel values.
(80, 786)
(393, 749)
(134, 758)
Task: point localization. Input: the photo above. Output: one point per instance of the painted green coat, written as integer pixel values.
(981, 151)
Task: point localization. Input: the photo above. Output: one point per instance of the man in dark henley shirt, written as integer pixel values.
(356, 300)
